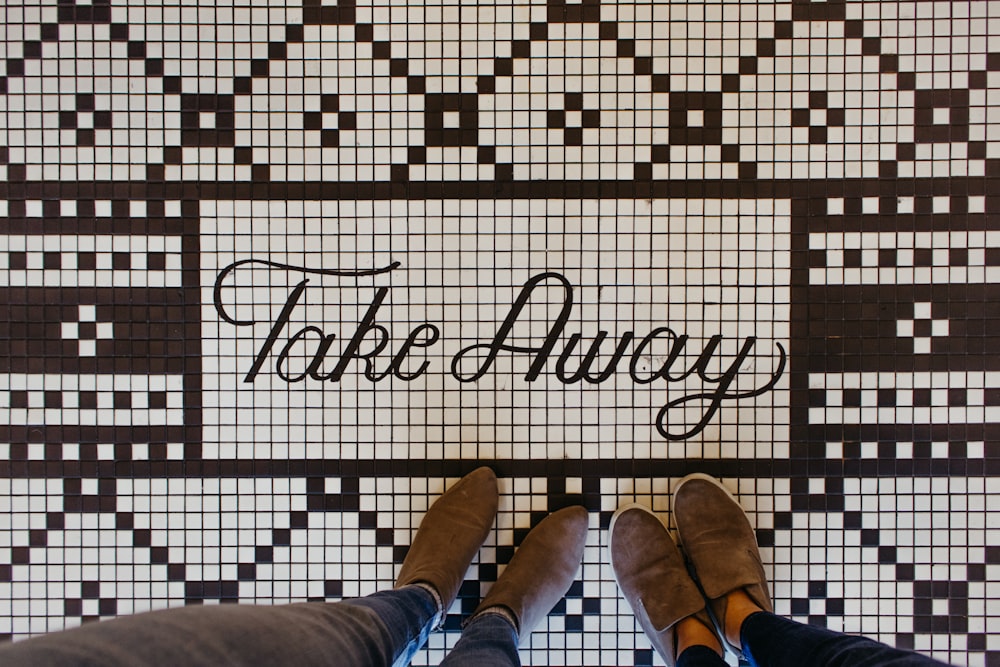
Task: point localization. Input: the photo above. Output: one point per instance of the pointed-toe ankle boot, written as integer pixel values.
(542, 569)
(450, 535)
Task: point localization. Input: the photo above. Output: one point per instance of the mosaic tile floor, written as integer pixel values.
(273, 275)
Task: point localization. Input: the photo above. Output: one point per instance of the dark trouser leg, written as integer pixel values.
(772, 641)
(380, 630)
(489, 640)
(699, 656)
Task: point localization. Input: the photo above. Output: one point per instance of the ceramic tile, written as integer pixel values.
(273, 275)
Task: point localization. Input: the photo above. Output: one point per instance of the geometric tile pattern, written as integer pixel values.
(757, 240)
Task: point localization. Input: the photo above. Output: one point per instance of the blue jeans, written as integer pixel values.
(489, 640)
(381, 630)
(772, 641)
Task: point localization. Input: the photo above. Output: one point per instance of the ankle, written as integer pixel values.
(692, 632)
(498, 610)
(438, 602)
(738, 607)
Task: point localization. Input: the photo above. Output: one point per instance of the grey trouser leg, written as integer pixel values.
(367, 632)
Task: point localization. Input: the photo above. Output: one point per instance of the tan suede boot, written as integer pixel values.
(654, 580)
(542, 569)
(450, 535)
(720, 543)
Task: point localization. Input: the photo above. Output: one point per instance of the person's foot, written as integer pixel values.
(720, 544)
(450, 535)
(654, 580)
(541, 571)
(739, 605)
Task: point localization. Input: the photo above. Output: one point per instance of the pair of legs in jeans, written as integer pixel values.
(690, 605)
(383, 629)
(386, 628)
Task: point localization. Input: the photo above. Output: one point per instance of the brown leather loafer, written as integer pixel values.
(720, 543)
(542, 569)
(653, 578)
(450, 535)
